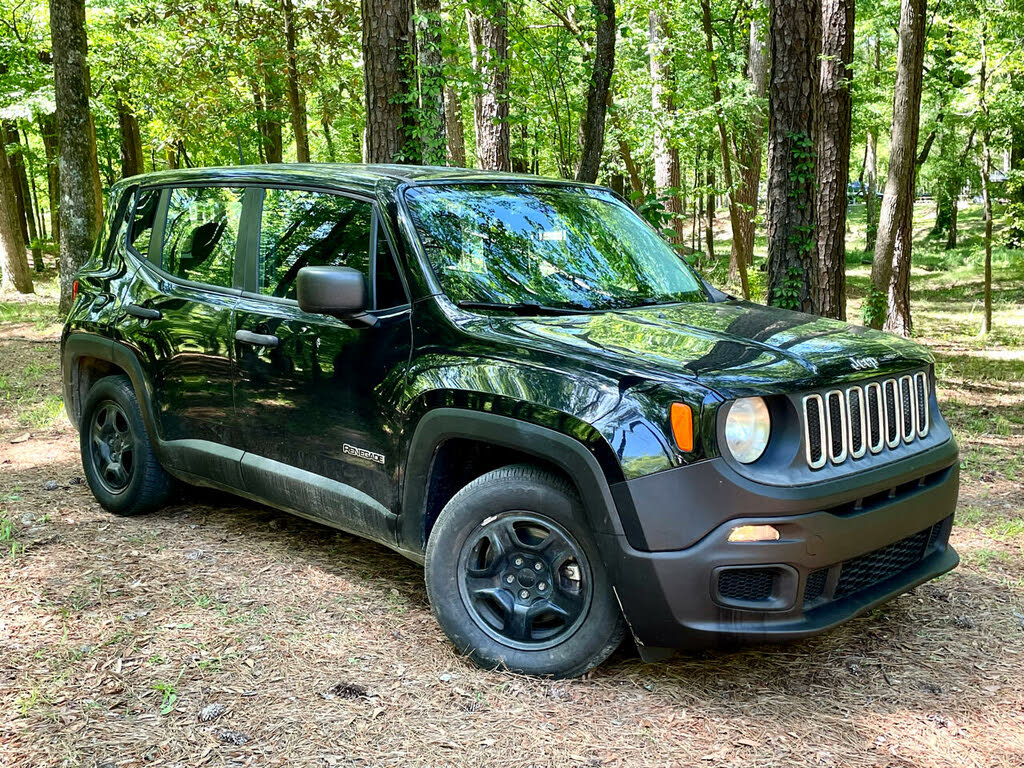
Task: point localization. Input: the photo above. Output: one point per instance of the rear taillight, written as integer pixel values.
(74, 290)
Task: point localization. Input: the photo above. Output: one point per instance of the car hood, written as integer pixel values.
(733, 347)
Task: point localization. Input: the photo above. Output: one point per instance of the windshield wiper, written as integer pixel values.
(524, 308)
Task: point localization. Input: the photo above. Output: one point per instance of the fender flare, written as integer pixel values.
(441, 424)
(80, 344)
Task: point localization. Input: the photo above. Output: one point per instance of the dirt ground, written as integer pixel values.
(218, 632)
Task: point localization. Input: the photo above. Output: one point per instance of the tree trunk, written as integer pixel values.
(273, 101)
(986, 176)
(666, 156)
(794, 107)
(890, 272)
(80, 206)
(828, 298)
(24, 197)
(488, 25)
(389, 81)
(453, 128)
(296, 97)
(132, 158)
(48, 132)
(709, 210)
(598, 91)
(871, 165)
(433, 118)
(9, 136)
(741, 256)
(636, 183)
(13, 259)
(749, 154)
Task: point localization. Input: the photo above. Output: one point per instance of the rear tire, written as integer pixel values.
(120, 466)
(515, 577)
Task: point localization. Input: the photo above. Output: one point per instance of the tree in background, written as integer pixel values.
(13, 257)
(296, 97)
(598, 91)
(487, 21)
(889, 304)
(431, 125)
(81, 204)
(833, 157)
(388, 56)
(666, 155)
(794, 99)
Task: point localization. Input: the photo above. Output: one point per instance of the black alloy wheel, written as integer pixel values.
(112, 447)
(525, 580)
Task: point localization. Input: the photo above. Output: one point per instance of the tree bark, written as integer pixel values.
(833, 162)
(9, 136)
(389, 81)
(433, 118)
(890, 272)
(132, 157)
(13, 259)
(454, 131)
(48, 132)
(24, 197)
(666, 156)
(296, 97)
(272, 99)
(749, 154)
(794, 107)
(598, 91)
(709, 203)
(741, 256)
(488, 32)
(80, 205)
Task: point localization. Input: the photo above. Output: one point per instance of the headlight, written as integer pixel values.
(747, 428)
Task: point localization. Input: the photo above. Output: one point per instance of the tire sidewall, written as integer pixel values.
(588, 645)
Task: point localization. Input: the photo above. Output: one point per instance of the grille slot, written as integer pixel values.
(815, 587)
(882, 564)
(846, 424)
(748, 585)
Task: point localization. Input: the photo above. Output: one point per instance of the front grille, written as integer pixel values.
(850, 423)
(815, 585)
(746, 584)
(884, 563)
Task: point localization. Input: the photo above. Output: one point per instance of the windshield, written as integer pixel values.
(557, 246)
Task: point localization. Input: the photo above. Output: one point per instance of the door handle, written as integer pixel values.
(256, 339)
(145, 313)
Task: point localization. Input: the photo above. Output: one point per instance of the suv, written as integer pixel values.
(516, 382)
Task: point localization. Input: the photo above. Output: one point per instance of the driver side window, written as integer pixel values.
(301, 228)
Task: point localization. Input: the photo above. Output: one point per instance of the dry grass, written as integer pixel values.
(115, 634)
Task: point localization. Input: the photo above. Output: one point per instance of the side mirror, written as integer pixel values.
(338, 291)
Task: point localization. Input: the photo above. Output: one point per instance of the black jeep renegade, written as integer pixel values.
(516, 382)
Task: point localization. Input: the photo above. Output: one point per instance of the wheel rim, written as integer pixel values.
(525, 580)
(112, 447)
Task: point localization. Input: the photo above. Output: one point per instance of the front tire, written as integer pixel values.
(120, 466)
(515, 578)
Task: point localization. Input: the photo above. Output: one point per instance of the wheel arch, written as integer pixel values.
(504, 437)
(86, 358)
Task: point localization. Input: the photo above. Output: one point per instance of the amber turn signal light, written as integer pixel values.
(682, 426)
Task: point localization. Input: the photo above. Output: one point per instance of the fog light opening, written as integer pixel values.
(754, 533)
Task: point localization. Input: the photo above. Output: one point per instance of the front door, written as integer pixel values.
(312, 393)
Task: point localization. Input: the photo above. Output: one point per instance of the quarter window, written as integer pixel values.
(310, 229)
(389, 285)
(201, 233)
(146, 205)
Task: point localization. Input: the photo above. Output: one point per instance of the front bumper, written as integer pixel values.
(838, 555)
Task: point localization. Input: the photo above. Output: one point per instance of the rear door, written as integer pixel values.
(181, 317)
(313, 393)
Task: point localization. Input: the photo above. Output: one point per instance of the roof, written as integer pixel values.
(366, 178)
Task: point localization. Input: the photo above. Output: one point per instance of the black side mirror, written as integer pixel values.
(338, 291)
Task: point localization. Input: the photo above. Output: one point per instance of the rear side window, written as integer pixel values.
(201, 233)
(389, 285)
(144, 218)
(310, 229)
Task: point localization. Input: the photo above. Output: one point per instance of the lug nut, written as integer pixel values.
(538, 566)
(519, 561)
(524, 594)
(510, 578)
(542, 586)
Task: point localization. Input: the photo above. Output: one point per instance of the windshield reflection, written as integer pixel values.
(558, 246)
